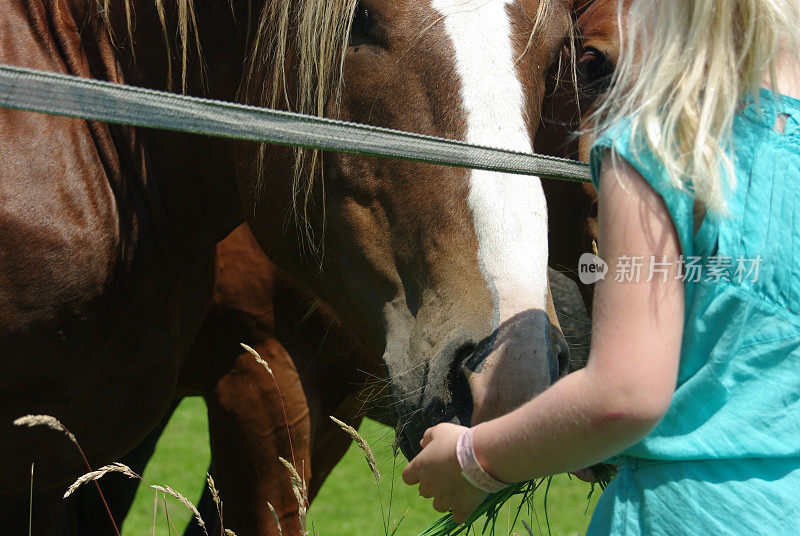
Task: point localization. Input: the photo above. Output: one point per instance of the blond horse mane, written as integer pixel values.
(187, 32)
(320, 31)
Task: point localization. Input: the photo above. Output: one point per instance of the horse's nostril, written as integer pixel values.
(563, 362)
(463, 353)
(559, 354)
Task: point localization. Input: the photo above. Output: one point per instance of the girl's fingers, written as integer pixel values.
(424, 493)
(440, 505)
(410, 474)
(427, 437)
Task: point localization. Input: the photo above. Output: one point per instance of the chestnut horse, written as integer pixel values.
(107, 264)
(257, 303)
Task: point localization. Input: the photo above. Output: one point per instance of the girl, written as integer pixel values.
(694, 375)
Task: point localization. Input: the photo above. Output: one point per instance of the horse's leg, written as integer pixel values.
(248, 434)
(247, 427)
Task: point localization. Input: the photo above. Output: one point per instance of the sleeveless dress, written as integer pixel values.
(726, 457)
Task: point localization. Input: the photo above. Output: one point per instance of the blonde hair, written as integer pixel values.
(685, 67)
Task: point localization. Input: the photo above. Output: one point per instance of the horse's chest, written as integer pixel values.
(92, 337)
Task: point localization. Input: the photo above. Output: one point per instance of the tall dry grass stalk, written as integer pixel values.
(276, 518)
(260, 360)
(300, 492)
(184, 501)
(46, 420)
(215, 496)
(54, 424)
(362, 444)
(155, 512)
(93, 476)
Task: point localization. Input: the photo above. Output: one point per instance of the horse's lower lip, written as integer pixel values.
(408, 447)
(411, 448)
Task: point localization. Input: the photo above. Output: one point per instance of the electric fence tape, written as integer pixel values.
(95, 100)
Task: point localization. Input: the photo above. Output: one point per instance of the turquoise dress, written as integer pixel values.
(726, 457)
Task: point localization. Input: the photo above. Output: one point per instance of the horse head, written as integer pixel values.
(441, 272)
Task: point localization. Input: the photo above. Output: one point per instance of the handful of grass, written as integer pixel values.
(491, 507)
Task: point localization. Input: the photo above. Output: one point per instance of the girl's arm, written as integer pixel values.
(627, 384)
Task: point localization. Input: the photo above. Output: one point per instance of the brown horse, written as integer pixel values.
(255, 302)
(107, 252)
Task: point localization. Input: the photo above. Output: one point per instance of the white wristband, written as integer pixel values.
(471, 469)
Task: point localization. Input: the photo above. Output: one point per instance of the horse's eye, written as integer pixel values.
(362, 31)
(596, 70)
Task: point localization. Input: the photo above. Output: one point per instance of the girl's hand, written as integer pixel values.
(438, 473)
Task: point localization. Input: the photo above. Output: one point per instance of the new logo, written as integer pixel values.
(591, 268)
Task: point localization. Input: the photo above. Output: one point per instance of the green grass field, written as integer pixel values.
(348, 504)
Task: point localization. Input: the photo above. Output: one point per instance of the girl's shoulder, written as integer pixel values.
(623, 143)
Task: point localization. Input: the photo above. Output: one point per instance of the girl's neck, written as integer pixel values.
(787, 72)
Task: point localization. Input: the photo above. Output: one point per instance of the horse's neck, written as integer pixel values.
(194, 176)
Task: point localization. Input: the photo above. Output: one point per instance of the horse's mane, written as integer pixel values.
(317, 32)
(187, 32)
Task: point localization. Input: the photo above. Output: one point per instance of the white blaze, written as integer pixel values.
(509, 211)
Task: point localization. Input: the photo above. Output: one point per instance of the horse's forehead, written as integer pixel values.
(518, 9)
(480, 33)
(516, 19)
